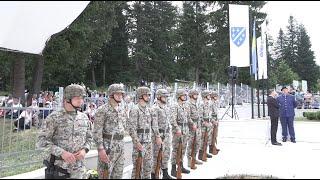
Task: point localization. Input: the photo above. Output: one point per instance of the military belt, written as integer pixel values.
(163, 131)
(115, 137)
(182, 124)
(143, 130)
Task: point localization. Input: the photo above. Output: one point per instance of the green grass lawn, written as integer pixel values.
(18, 152)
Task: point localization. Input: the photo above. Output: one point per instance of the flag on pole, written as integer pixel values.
(239, 35)
(254, 52)
(262, 53)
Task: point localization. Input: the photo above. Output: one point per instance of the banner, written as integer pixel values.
(27, 26)
(239, 35)
(254, 52)
(262, 53)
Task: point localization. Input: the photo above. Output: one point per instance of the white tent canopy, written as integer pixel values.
(26, 26)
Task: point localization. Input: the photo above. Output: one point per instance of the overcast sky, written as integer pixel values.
(305, 12)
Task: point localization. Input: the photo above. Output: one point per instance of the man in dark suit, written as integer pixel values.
(287, 104)
(273, 112)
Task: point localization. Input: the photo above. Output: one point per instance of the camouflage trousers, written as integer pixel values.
(209, 130)
(214, 134)
(116, 156)
(166, 149)
(175, 145)
(76, 170)
(198, 142)
(147, 161)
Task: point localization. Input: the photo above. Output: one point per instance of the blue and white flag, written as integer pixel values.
(262, 53)
(239, 35)
(254, 65)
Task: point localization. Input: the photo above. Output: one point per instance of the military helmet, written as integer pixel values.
(74, 90)
(181, 92)
(162, 92)
(143, 91)
(205, 93)
(214, 93)
(193, 92)
(115, 88)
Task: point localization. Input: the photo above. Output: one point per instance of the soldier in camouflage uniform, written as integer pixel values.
(206, 121)
(141, 128)
(214, 121)
(179, 121)
(108, 133)
(161, 114)
(194, 125)
(66, 134)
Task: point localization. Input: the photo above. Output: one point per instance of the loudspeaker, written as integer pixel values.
(233, 72)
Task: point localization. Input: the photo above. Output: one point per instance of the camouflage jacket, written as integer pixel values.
(180, 117)
(140, 119)
(195, 114)
(109, 120)
(161, 114)
(69, 131)
(214, 109)
(205, 110)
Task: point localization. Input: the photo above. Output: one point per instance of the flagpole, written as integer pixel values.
(251, 75)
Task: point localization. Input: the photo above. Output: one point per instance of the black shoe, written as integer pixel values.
(210, 149)
(209, 156)
(173, 170)
(284, 139)
(277, 144)
(293, 140)
(165, 174)
(185, 171)
(153, 176)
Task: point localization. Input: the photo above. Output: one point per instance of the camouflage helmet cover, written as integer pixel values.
(181, 92)
(115, 88)
(143, 91)
(214, 93)
(162, 92)
(205, 93)
(193, 92)
(74, 90)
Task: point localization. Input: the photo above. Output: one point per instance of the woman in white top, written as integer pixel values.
(24, 120)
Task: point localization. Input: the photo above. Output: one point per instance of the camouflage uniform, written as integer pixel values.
(206, 114)
(214, 117)
(109, 131)
(141, 127)
(179, 121)
(161, 114)
(67, 131)
(195, 119)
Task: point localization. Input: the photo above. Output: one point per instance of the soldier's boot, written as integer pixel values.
(153, 176)
(184, 170)
(190, 165)
(174, 170)
(198, 162)
(165, 174)
(209, 156)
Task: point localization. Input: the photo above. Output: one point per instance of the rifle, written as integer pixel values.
(204, 148)
(138, 165)
(106, 173)
(214, 140)
(193, 154)
(159, 160)
(179, 160)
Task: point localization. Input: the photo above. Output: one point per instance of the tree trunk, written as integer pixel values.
(19, 77)
(36, 79)
(197, 75)
(93, 76)
(104, 73)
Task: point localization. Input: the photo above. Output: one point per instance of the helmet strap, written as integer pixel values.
(76, 108)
